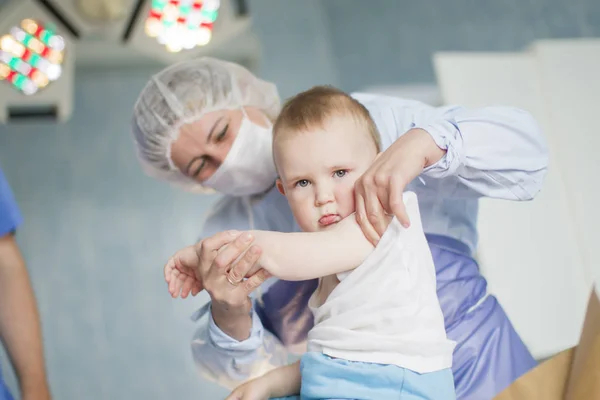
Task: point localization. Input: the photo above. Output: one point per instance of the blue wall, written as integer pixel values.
(98, 231)
(391, 41)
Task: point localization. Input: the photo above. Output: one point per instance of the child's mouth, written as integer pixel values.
(329, 219)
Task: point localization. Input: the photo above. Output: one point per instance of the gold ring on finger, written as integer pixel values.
(234, 283)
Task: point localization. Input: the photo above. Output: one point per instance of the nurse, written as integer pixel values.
(19, 321)
(205, 125)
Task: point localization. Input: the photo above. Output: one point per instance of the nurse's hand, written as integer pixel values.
(202, 266)
(379, 191)
(218, 264)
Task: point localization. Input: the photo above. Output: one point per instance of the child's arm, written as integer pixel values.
(307, 255)
(280, 382)
(284, 381)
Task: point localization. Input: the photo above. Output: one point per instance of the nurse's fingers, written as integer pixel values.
(241, 268)
(375, 213)
(255, 280)
(396, 202)
(208, 248)
(364, 223)
(233, 251)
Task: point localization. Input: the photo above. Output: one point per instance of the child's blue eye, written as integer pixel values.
(302, 183)
(341, 173)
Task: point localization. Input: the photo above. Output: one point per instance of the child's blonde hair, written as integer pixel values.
(313, 109)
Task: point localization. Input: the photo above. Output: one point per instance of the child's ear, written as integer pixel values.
(280, 186)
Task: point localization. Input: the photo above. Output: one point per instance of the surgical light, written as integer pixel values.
(182, 24)
(31, 56)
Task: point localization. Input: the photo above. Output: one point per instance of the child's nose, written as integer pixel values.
(324, 196)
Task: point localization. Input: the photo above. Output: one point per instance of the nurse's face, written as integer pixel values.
(203, 145)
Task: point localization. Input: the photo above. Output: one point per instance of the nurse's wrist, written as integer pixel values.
(430, 150)
(234, 321)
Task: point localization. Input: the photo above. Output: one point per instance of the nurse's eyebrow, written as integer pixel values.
(212, 130)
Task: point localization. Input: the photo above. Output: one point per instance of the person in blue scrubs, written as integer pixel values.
(19, 321)
(205, 125)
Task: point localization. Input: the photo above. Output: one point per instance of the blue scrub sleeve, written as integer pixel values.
(10, 216)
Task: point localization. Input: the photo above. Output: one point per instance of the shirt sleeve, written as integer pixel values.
(496, 152)
(10, 216)
(229, 362)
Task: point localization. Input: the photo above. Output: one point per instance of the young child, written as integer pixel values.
(379, 329)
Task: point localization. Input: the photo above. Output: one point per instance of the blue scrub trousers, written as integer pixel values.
(329, 378)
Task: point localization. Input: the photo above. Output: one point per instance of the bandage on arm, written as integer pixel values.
(300, 256)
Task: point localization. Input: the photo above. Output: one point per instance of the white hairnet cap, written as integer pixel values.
(182, 94)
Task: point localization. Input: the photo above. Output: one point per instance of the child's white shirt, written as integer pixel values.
(386, 311)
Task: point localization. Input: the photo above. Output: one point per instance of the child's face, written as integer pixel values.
(318, 169)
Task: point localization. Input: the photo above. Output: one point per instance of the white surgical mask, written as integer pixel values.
(249, 167)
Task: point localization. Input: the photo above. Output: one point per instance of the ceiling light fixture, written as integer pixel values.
(31, 56)
(182, 24)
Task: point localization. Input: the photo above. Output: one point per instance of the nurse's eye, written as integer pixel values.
(302, 183)
(340, 173)
(197, 166)
(222, 134)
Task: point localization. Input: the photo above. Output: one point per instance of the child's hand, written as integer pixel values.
(180, 275)
(256, 389)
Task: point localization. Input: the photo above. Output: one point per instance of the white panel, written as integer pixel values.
(570, 73)
(527, 250)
